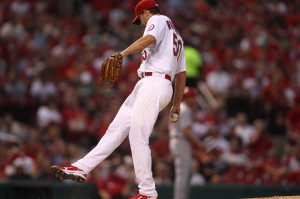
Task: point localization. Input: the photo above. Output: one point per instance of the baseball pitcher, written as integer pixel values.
(163, 60)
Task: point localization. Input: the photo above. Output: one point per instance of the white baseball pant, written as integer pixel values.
(136, 117)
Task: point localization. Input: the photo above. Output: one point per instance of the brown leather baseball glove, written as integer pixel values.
(111, 68)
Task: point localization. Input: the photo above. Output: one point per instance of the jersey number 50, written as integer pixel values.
(177, 46)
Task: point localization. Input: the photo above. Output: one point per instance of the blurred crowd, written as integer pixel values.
(52, 107)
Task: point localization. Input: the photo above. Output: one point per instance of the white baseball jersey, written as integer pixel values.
(157, 58)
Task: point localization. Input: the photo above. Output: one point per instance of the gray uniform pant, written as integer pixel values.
(181, 150)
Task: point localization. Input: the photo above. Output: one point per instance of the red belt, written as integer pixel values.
(168, 77)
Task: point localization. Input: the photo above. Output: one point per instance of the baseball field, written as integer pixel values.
(278, 197)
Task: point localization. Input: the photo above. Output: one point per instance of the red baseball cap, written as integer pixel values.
(189, 92)
(140, 7)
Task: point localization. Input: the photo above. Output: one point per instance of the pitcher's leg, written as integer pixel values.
(144, 115)
(114, 136)
(141, 153)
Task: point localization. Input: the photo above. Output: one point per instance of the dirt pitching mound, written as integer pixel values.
(278, 197)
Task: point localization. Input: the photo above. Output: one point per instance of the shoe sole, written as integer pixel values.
(63, 176)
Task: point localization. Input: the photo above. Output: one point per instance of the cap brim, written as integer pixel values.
(136, 20)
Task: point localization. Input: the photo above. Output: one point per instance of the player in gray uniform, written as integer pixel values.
(181, 138)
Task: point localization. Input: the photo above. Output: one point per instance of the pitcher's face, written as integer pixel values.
(143, 19)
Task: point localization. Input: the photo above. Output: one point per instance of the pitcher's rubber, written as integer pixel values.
(277, 197)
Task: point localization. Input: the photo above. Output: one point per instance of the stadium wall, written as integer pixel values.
(44, 190)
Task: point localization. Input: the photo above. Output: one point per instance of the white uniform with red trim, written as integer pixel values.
(139, 112)
(168, 55)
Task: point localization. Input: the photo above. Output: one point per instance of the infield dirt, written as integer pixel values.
(278, 197)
